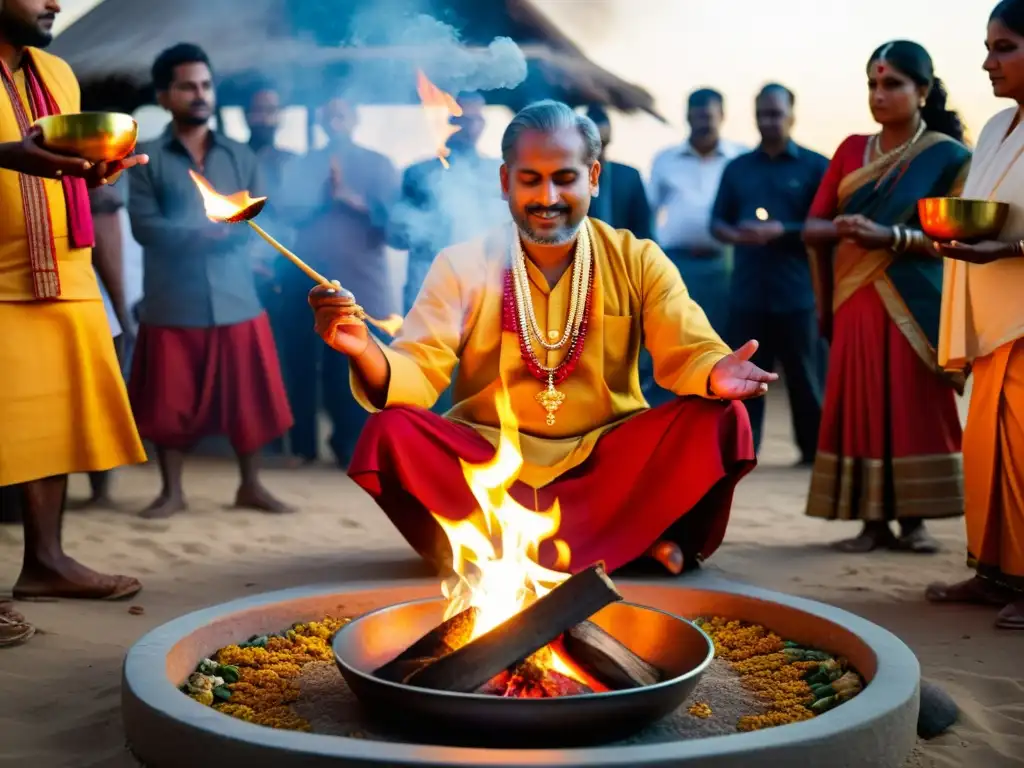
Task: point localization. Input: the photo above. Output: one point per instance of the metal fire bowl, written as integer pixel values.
(674, 645)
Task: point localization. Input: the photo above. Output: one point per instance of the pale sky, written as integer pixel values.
(818, 48)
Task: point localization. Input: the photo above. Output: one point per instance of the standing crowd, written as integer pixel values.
(874, 327)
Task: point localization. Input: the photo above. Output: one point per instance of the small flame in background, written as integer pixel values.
(439, 107)
(222, 208)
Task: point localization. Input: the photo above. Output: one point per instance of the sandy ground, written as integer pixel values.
(60, 692)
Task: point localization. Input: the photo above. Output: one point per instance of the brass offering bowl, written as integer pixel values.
(93, 136)
(956, 218)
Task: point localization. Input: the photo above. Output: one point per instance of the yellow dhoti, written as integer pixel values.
(63, 404)
(994, 466)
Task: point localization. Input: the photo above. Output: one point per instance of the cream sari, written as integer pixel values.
(981, 303)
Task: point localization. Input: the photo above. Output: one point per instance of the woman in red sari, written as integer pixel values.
(889, 445)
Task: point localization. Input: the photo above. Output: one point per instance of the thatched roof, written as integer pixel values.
(306, 48)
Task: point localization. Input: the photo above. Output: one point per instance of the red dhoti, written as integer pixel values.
(666, 473)
(889, 444)
(190, 383)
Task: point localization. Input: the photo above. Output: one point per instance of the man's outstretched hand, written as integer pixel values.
(734, 377)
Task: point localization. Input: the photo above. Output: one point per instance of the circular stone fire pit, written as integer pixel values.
(166, 729)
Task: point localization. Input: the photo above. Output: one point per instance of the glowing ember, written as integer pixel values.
(440, 106)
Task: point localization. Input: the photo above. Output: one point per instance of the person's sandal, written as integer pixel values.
(14, 632)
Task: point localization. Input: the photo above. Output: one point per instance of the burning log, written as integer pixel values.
(440, 641)
(473, 665)
(606, 659)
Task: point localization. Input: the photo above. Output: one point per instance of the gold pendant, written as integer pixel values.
(550, 400)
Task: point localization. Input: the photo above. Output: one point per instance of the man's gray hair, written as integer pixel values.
(549, 116)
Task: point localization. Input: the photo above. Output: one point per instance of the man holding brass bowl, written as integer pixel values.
(63, 404)
(982, 330)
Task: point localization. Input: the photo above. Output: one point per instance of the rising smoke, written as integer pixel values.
(432, 45)
(464, 201)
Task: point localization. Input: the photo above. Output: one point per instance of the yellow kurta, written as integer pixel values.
(457, 318)
(63, 405)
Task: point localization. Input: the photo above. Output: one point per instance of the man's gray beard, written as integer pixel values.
(562, 237)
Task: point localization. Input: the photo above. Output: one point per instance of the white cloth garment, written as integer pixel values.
(981, 304)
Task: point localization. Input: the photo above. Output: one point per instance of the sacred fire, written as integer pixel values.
(241, 206)
(513, 627)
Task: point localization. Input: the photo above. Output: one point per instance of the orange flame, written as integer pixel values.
(227, 208)
(495, 552)
(434, 100)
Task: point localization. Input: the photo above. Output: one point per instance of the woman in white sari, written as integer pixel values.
(982, 329)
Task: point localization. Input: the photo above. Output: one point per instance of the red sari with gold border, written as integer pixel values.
(889, 445)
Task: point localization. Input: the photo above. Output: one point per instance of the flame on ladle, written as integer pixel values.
(241, 206)
(435, 100)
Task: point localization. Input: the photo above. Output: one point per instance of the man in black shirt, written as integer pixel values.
(761, 206)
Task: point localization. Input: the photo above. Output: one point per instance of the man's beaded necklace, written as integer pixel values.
(519, 316)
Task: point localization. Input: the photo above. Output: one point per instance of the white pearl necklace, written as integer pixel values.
(581, 267)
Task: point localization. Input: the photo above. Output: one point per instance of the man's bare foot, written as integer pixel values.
(163, 507)
(974, 591)
(872, 536)
(1012, 616)
(255, 496)
(669, 555)
(70, 579)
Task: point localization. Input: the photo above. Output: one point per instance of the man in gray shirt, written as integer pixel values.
(205, 361)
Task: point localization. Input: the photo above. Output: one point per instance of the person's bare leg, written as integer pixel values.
(251, 493)
(46, 570)
(973, 591)
(99, 496)
(172, 496)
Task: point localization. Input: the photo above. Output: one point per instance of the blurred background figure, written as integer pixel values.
(684, 183)
(622, 199)
(263, 118)
(762, 203)
(339, 200)
(442, 206)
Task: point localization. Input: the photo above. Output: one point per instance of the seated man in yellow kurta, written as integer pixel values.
(554, 308)
(63, 405)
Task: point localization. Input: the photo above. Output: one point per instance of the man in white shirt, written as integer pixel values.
(684, 183)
